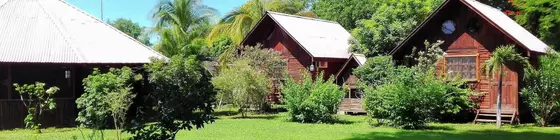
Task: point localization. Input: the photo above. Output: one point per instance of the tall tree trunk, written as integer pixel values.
(499, 100)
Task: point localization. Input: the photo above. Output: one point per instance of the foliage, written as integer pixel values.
(131, 29)
(502, 56)
(390, 23)
(237, 23)
(375, 71)
(542, 89)
(542, 18)
(98, 103)
(182, 26)
(181, 98)
(346, 12)
(37, 100)
(312, 101)
(220, 46)
(411, 97)
(243, 85)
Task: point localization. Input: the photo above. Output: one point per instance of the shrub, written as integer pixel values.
(311, 101)
(411, 100)
(181, 98)
(36, 100)
(542, 89)
(242, 85)
(95, 104)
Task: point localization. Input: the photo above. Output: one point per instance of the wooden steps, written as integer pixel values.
(351, 105)
(489, 116)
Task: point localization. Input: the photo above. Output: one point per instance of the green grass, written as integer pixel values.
(275, 126)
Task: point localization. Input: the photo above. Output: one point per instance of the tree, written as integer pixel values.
(390, 23)
(36, 100)
(542, 18)
(181, 97)
(182, 26)
(502, 56)
(244, 86)
(346, 12)
(237, 23)
(131, 29)
(542, 89)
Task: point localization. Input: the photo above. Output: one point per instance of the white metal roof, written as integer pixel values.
(52, 31)
(508, 25)
(360, 58)
(321, 38)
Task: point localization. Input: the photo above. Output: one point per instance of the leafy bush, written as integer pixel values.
(36, 100)
(311, 101)
(181, 98)
(410, 100)
(95, 104)
(411, 97)
(542, 89)
(243, 86)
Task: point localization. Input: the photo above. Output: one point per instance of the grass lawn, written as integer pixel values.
(275, 126)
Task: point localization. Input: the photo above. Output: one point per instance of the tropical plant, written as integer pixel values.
(182, 26)
(37, 100)
(542, 89)
(242, 85)
(375, 71)
(312, 101)
(390, 23)
(237, 23)
(181, 97)
(502, 56)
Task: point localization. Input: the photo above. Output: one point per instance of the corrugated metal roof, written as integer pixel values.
(321, 38)
(52, 31)
(508, 25)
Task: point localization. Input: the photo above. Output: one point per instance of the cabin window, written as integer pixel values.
(463, 66)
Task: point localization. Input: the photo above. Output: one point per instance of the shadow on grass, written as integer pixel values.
(266, 117)
(451, 135)
(226, 113)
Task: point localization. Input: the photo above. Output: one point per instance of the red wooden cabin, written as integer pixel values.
(471, 31)
(308, 45)
(53, 42)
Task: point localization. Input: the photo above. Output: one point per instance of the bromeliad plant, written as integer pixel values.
(37, 100)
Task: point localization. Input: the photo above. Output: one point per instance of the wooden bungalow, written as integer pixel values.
(352, 102)
(53, 42)
(308, 45)
(472, 31)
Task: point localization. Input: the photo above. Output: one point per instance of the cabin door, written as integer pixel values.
(509, 90)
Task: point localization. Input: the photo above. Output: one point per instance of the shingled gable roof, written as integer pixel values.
(53, 31)
(320, 38)
(497, 18)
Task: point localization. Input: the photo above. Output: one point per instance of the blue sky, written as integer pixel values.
(138, 10)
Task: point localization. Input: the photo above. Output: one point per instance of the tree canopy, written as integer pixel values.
(346, 12)
(131, 29)
(542, 18)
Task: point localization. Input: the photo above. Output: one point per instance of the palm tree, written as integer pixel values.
(182, 26)
(237, 23)
(495, 65)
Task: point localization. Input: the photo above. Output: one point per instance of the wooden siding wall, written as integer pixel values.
(463, 42)
(297, 58)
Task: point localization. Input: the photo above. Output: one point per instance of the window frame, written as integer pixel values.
(477, 67)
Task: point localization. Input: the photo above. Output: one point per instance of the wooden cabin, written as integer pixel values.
(472, 31)
(352, 102)
(308, 45)
(53, 42)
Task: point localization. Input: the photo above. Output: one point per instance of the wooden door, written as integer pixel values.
(510, 89)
